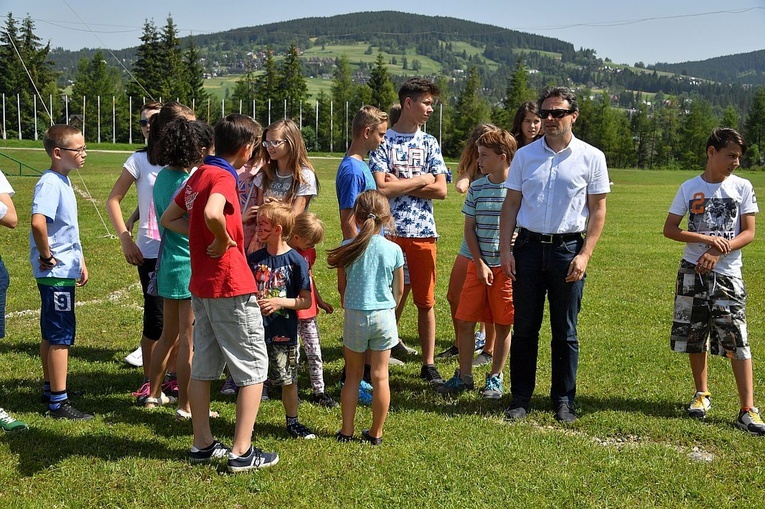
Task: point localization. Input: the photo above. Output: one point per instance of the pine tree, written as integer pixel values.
(94, 79)
(292, 84)
(754, 126)
(517, 90)
(147, 72)
(19, 44)
(174, 84)
(343, 90)
(267, 89)
(383, 94)
(470, 111)
(193, 72)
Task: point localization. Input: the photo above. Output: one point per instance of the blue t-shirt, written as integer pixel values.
(54, 198)
(353, 177)
(284, 275)
(369, 277)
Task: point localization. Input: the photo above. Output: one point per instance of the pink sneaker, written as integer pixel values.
(170, 388)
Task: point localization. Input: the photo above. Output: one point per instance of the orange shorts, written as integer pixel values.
(421, 262)
(489, 304)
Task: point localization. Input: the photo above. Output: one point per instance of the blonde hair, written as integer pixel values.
(309, 227)
(279, 214)
(297, 159)
(367, 116)
(468, 165)
(373, 212)
(499, 141)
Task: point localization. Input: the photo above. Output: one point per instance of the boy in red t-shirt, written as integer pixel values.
(228, 325)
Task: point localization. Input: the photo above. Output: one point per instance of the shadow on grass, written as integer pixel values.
(84, 353)
(40, 448)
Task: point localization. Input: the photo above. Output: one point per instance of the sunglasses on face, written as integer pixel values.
(272, 143)
(555, 113)
(143, 123)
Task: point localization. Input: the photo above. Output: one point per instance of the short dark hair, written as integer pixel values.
(721, 137)
(58, 135)
(170, 111)
(235, 131)
(564, 93)
(414, 88)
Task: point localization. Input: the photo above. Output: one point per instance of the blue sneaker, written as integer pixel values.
(456, 384)
(480, 340)
(493, 388)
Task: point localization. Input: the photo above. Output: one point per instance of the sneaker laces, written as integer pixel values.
(493, 383)
(144, 390)
(701, 400)
(754, 416)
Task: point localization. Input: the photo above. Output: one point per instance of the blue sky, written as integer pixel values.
(627, 32)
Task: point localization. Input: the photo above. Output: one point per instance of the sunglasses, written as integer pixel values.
(272, 143)
(555, 113)
(143, 123)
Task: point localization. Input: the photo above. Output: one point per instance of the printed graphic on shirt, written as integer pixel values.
(712, 216)
(273, 283)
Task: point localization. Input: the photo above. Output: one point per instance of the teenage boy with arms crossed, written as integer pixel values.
(710, 297)
(58, 264)
(228, 326)
(414, 159)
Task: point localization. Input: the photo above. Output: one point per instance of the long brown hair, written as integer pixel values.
(373, 212)
(298, 157)
(468, 165)
(520, 116)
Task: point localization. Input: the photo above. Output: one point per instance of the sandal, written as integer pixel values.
(162, 400)
(183, 415)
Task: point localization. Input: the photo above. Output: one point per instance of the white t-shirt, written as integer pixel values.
(147, 239)
(280, 186)
(5, 186)
(715, 209)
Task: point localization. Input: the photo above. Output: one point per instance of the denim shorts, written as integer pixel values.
(370, 330)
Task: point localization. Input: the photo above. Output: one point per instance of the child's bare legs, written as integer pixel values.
(401, 306)
(502, 347)
(491, 336)
(426, 328)
(199, 400)
(456, 281)
(742, 372)
(247, 406)
(699, 370)
(55, 364)
(349, 395)
(381, 394)
(147, 351)
(465, 346)
(185, 352)
(290, 399)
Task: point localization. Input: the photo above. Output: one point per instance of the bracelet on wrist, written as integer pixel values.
(46, 260)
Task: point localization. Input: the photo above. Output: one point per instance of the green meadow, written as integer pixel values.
(632, 446)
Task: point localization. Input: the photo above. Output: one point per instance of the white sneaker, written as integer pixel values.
(135, 358)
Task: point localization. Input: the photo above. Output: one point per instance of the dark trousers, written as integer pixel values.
(541, 270)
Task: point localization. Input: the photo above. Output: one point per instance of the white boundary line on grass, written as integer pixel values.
(112, 297)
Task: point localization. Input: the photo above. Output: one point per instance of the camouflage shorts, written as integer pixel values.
(710, 314)
(283, 364)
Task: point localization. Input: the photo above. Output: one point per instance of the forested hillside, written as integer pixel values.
(746, 68)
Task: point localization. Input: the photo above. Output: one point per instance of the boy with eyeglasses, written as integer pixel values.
(58, 264)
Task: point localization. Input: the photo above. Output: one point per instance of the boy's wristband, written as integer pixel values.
(47, 260)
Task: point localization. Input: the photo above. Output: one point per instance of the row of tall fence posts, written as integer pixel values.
(252, 112)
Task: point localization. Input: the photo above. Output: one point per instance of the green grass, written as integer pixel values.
(632, 446)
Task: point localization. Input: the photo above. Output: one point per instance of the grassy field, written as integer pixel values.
(632, 446)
